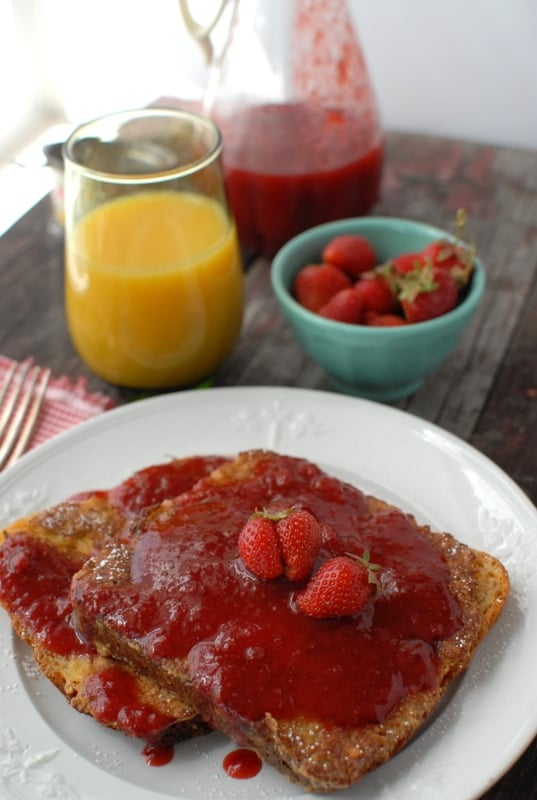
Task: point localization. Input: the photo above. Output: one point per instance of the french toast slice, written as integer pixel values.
(38, 556)
(324, 701)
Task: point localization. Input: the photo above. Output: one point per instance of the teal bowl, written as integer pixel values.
(378, 363)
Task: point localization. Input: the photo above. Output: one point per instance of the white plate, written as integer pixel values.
(48, 750)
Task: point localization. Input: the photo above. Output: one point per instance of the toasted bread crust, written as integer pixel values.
(76, 529)
(316, 756)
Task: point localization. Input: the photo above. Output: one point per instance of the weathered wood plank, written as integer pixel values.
(498, 188)
(507, 428)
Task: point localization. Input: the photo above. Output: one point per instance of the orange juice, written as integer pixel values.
(154, 291)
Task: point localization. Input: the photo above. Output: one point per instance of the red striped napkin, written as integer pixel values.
(66, 404)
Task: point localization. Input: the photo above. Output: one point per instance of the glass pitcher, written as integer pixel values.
(290, 91)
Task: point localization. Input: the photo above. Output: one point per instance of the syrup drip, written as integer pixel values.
(112, 695)
(242, 764)
(158, 755)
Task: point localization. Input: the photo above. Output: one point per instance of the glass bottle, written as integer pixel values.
(291, 93)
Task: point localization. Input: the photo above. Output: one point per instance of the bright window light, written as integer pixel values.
(68, 62)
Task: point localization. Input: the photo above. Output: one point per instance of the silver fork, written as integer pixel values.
(21, 399)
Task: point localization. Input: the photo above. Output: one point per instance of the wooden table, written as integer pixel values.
(486, 392)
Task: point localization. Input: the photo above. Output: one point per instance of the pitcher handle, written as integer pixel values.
(201, 33)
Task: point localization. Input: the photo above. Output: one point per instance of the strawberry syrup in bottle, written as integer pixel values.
(298, 166)
(302, 142)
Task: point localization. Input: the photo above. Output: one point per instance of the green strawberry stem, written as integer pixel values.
(365, 560)
(274, 516)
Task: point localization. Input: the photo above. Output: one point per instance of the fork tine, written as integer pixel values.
(15, 409)
(7, 383)
(30, 421)
(11, 400)
(30, 396)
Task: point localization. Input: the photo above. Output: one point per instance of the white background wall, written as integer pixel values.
(466, 68)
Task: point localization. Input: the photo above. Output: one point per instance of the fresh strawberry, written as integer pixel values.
(406, 262)
(376, 293)
(274, 543)
(315, 284)
(383, 320)
(259, 547)
(409, 287)
(351, 253)
(427, 295)
(454, 258)
(345, 306)
(442, 253)
(300, 539)
(342, 587)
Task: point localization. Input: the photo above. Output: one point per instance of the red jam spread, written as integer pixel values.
(112, 695)
(156, 483)
(188, 596)
(34, 587)
(35, 581)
